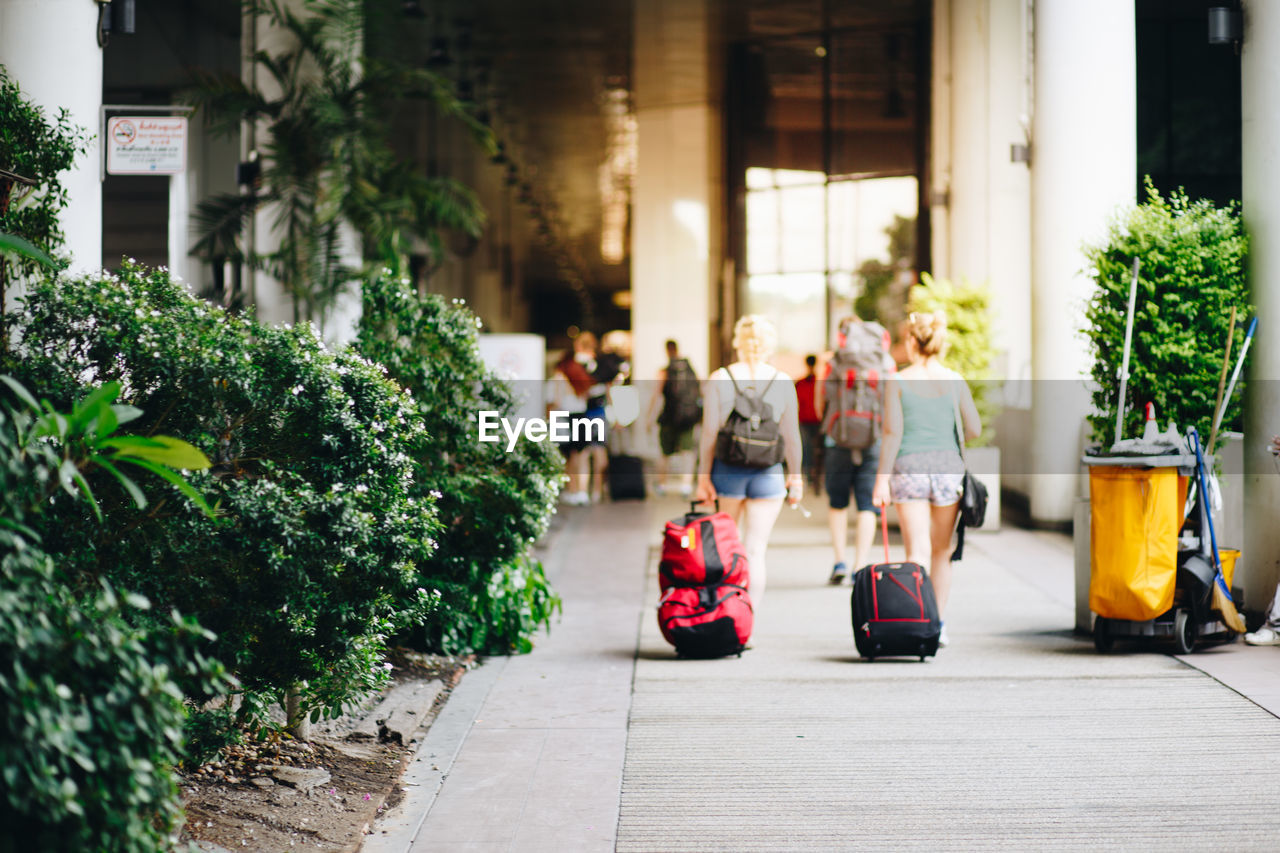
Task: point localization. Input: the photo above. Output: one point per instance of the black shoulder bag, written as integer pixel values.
(973, 498)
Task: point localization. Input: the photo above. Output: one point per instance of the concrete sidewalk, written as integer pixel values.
(1016, 736)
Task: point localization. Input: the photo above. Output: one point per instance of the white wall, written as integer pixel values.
(1260, 93)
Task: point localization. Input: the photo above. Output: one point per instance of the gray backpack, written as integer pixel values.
(854, 389)
(750, 436)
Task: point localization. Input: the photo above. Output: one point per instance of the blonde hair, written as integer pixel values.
(754, 337)
(929, 329)
(617, 341)
(585, 342)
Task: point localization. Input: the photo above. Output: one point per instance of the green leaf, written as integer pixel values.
(70, 476)
(174, 478)
(125, 413)
(160, 449)
(86, 410)
(22, 393)
(104, 423)
(12, 244)
(129, 485)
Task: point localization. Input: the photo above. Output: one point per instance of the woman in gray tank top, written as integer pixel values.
(921, 469)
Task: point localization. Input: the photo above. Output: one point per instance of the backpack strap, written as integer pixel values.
(738, 389)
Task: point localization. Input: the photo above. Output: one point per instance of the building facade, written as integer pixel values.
(670, 164)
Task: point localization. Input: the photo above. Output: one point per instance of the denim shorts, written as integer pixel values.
(734, 481)
(843, 478)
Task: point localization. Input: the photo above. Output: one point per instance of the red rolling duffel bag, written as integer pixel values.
(709, 621)
(702, 548)
(705, 609)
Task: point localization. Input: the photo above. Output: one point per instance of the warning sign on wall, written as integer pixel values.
(146, 145)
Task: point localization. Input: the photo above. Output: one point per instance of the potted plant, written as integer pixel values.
(969, 352)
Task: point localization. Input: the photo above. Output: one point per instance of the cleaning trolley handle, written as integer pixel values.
(1128, 340)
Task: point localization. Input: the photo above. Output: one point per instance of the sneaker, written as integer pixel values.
(943, 639)
(838, 573)
(1264, 636)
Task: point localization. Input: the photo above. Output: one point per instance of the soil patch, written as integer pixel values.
(326, 793)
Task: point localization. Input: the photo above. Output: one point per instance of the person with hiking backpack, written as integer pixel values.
(810, 424)
(750, 426)
(680, 395)
(851, 399)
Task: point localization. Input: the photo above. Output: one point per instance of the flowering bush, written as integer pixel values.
(322, 523)
(493, 504)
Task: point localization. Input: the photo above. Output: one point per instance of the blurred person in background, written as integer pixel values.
(810, 424)
(679, 395)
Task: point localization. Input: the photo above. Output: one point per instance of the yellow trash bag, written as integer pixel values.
(1133, 548)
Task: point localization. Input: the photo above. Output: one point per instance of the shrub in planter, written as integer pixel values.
(1191, 276)
(313, 559)
(493, 504)
(90, 713)
(969, 348)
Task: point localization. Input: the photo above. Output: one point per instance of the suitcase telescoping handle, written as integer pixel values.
(693, 506)
(884, 530)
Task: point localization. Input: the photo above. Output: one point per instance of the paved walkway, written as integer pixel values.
(1017, 736)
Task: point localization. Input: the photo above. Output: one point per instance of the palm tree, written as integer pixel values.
(326, 160)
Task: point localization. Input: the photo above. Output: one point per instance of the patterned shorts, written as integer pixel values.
(936, 476)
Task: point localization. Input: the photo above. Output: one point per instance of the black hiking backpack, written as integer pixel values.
(681, 396)
(751, 436)
(854, 388)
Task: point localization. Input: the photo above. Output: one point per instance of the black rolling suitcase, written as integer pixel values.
(626, 478)
(895, 613)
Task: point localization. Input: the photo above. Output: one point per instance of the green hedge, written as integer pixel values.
(493, 504)
(91, 713)
(1192, 274)
(312, 560)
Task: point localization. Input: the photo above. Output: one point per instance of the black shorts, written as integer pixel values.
(844, 478)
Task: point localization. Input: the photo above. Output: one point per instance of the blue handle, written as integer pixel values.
(1202, 479)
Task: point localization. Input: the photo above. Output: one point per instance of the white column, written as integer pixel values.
(989, 195)
(970, 140)
(1009, 188)
(1084, 169)
(1260, 90)
(50, 48)
(272, 304)
(676, 201)
(940, 141)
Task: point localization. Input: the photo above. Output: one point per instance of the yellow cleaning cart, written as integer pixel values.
(1148, 573)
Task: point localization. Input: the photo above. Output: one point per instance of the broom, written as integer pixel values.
(1221, 595)
(1222, 382)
